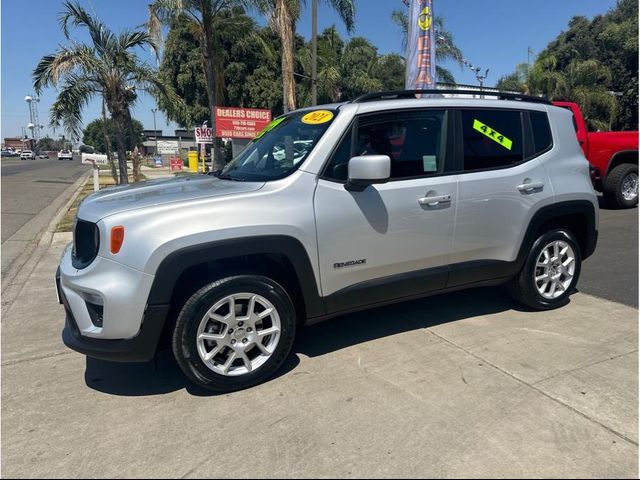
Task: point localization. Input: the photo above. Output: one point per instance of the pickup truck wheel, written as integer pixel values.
(621, 186)
(234, 333)
(550, 272)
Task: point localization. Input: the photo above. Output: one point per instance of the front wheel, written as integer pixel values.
(621, 186)
(550, 272)
(234, 333)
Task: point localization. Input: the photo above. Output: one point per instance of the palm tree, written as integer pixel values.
(582, 82)
(283, 16)
(107, 67)
(205, 17)
(446, 48)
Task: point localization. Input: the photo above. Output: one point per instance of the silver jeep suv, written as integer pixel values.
(330, 210)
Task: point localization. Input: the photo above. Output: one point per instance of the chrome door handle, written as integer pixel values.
(528, 187)
(435, 200)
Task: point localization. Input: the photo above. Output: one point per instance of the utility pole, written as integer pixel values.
(155, 132)
(314, 52)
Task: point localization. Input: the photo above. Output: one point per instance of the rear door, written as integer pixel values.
(501, 183)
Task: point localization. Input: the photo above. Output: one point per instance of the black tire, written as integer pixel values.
(613, 186)
(522, 287)
(184, 340)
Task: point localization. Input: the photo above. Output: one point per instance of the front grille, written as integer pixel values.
(86, 241)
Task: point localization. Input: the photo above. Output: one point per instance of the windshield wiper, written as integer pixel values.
(226, 176)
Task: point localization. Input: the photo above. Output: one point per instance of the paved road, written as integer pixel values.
(28, 186)
(612, 272)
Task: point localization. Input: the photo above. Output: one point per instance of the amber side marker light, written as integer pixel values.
(117, 237)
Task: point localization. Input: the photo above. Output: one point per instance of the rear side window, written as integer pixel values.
(541, 131)
(492, 139)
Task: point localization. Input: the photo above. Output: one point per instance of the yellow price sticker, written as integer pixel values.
(489, 132)
(317, 117)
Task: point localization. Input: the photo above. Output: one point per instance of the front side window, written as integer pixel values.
(492, 139)
(413, 140)
(280, 149)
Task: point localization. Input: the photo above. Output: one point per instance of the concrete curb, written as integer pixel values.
(21, 268)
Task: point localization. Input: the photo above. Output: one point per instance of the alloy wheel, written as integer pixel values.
(555, 269)
(238, 334)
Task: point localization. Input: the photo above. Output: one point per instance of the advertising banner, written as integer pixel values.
(240, 122)
(421, 48)
(204, 135)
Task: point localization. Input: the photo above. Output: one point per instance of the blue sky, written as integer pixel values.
(492, 34)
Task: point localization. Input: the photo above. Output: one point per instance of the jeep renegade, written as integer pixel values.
(330, 210)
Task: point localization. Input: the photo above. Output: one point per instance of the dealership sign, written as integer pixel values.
(204, 135)
(240, 122)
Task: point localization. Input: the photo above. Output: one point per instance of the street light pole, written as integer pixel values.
(314, 52)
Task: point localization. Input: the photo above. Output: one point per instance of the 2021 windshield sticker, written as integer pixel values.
(492, 134)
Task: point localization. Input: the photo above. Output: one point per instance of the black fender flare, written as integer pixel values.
(584, 208)
(290, 248)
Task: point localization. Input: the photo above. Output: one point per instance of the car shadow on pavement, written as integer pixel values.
(164, 376)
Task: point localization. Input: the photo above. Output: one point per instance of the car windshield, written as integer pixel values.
(280, 148)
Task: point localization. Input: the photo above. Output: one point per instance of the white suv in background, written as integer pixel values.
(65, 155)
(331, 210)
(27, 155)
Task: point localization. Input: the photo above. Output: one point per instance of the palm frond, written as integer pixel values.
(73, 97)
(52, 67)
(346, 10)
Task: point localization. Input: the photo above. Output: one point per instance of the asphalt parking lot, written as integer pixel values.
(465, 384)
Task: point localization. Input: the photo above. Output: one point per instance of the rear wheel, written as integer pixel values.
(234, 333)
(550, 272)
(621, 186)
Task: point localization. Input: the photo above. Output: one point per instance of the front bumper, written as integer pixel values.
(140, 348)
(128, 329)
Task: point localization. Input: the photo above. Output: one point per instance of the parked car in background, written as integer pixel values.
(9, 153)
(27, 155)
(65, 155)
(44, 155)
(613, 157)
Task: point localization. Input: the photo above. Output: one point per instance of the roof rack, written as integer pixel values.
(403, 94)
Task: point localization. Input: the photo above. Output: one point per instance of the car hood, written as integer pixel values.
(159, 192)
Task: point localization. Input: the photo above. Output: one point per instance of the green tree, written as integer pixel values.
(593, 63)
(249, 67)
(93, 135)
(205, 19)
(517, 81)
(106, 67)
(282, 16)
(357, 68)
(49, 144)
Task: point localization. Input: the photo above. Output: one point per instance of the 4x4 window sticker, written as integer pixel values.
(493, 134)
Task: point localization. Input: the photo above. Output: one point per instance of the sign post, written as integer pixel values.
(95, 160)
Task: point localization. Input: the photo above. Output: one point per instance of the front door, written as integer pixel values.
(391, 240)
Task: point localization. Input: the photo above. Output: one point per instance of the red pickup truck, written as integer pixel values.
(613, 157)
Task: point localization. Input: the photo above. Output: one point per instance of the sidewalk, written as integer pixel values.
(457, 385)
